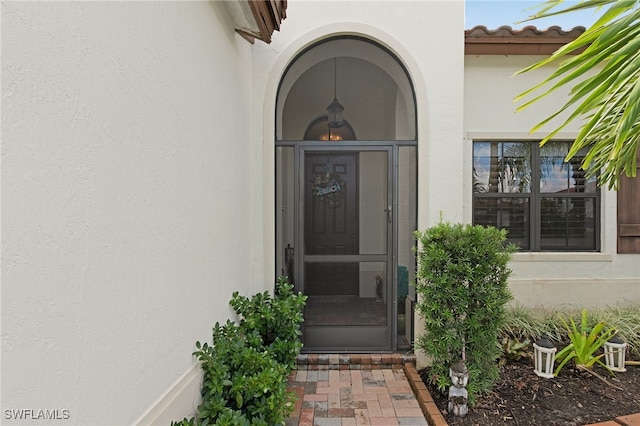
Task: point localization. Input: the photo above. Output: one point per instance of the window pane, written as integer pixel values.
(556, 176)
(578, 182)
(554, 172)
(511, 214)
(481, 165)
(567, 223)
(515, 170)
(502, 167)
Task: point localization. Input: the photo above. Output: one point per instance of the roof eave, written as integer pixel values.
(527, 41)
(257, 19)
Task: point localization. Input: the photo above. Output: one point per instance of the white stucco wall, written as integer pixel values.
(428, 37)
(425, 36)
(127, 170)
(543, 279)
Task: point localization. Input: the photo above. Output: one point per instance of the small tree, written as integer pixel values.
(462, 294)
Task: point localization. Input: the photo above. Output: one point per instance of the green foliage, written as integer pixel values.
(526, 323)
(605, 87)
(462, 287)
(513, 350)
(585, 342)
(241, 379)
(276, 319)
(245, 370)
(626, 320)
(185, 422)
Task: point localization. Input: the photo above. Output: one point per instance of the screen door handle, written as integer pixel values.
(388, 210)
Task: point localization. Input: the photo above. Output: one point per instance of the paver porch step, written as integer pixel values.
(353, 361)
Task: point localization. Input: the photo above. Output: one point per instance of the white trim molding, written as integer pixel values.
(179, 401)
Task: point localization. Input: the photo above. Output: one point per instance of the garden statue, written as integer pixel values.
(458, 396)
(379, 287)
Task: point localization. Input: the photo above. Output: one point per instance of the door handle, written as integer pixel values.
(388, 210)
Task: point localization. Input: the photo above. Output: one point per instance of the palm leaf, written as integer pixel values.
(605, 87)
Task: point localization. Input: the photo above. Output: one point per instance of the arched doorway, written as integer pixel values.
(346, 173)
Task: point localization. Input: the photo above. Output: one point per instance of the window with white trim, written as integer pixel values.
(545, 203)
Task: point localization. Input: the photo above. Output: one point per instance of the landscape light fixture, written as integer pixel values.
(544, 353)
(614, 354)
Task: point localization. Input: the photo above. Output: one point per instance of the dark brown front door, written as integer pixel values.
(331, 222)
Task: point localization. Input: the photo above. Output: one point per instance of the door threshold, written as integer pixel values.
(364, 361)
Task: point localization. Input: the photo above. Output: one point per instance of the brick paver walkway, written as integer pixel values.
(354, 397)
(341, 390)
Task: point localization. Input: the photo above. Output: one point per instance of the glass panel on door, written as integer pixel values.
(331, 306)
(346, 220)
(407, 219)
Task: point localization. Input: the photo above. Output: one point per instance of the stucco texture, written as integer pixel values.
(125, 199)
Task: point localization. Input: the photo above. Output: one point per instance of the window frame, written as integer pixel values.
(535, 197)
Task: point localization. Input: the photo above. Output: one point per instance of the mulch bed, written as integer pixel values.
(575, 397)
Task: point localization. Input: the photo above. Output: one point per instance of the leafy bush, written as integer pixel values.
(276, 319)
(462, 288)
(246, 368)
(585, 342)
(242, 381)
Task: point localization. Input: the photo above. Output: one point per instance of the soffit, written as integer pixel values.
(527, 41)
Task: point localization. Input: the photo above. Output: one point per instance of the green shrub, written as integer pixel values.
(462, 289)
(242, 381)
(245, 371)
(276, 319)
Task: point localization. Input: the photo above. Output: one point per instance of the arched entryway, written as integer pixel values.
(346, 177)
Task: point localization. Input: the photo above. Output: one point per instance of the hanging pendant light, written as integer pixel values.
(335, 109)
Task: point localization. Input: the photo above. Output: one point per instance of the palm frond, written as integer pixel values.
(604, 81)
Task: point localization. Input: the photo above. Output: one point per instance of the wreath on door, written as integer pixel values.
(329, 187)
